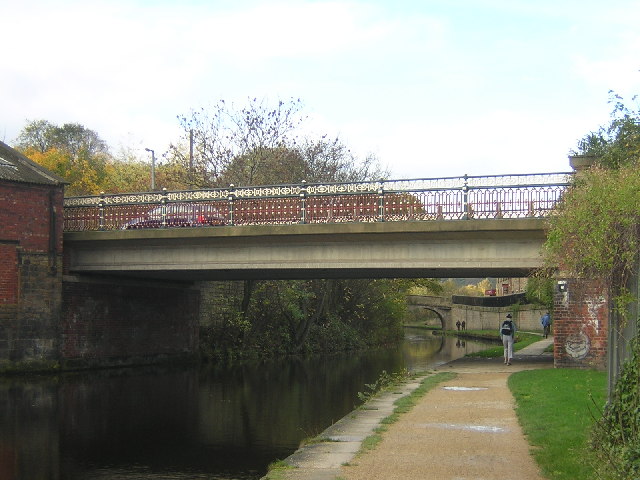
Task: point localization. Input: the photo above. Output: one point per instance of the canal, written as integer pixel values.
(196, 423)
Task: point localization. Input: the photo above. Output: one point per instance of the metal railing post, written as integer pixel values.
(231, 199)
(381, 201)
(465, 198)
(303, 202)
(163, 204)
(101, 209)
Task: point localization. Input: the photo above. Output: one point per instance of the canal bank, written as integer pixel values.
(466, 426)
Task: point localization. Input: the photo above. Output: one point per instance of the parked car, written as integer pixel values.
(179, 215)
(490, 293)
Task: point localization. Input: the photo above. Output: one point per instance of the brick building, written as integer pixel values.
(31, 221)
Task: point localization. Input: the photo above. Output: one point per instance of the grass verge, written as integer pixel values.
(556, 408)
(277, 469)
(522, 340)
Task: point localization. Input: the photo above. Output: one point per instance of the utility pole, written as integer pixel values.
(153, 169)
(191, 157)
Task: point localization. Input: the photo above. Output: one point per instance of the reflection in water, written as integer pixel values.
(213, 422)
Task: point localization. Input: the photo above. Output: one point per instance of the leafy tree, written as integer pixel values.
(540, 290)
(85, 176)
(617, 144)
(81, 157)
(595, 231)
(595, 234)
(127, 173)
(324, 315)
(36, 135)
(483, 285)
(72, 138)
(72, 151)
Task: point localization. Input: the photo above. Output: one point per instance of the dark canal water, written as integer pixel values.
(207, 423)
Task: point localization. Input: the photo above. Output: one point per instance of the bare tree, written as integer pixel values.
(224, 134)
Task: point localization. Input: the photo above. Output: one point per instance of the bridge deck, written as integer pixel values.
(447, 248)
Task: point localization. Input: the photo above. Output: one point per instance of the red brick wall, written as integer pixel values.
(25, 215)
(30, 271)
(580, 324)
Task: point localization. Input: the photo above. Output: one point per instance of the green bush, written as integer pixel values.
(540, 291)
(616, 436)
(309, 316)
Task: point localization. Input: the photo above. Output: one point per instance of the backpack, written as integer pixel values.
(507, 328)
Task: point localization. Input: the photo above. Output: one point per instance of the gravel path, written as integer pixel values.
(463, 429)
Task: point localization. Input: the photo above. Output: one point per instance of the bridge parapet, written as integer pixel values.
(447, 198)
(430, 300)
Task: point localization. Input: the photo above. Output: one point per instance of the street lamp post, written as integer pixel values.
(153, 169)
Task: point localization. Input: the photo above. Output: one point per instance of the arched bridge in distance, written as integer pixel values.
(467, 226)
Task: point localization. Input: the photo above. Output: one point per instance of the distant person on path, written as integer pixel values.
(464, 325)
(458, 325)
(508, 334)
(546, 324)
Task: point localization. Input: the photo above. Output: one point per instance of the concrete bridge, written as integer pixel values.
(132, 262)
(131, 288)
(445, 248)
(441, 227)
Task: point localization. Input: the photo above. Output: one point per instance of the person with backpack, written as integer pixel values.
(546, 324)
(508, 335)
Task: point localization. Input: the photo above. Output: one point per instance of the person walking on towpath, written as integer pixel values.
(508, 335)
(546, 324)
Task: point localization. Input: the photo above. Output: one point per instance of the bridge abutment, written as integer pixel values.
(581, 323)
(108, 322)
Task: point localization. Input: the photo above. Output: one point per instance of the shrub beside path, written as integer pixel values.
(462, 429)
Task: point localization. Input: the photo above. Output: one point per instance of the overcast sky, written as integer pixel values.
(432, 88)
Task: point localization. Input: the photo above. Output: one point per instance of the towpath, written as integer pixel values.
(463, 429)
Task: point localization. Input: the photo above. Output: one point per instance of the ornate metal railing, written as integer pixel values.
(450, 198)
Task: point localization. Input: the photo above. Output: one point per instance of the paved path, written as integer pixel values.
(457, 431)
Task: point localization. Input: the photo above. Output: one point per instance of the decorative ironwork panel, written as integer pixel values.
(448, 198)
(80, 219)
(129, 198)
(81, 201)
(197, 195)
(513, 202)
(118, 217)
(425, 205)
(343, 188)
(342, 208)
(267, 191)
(267, 211)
